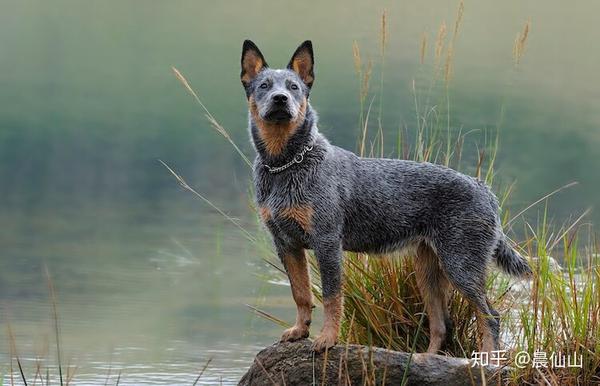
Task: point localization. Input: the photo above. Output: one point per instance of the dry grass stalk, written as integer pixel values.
(211, 119)
(357, 58)
(520, 43)
(423, 47)
(440, 42)
(383, 32)
(450, 51)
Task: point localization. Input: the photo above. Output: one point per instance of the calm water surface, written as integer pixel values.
(150, 281)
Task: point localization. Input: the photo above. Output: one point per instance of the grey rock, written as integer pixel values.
(296, 364)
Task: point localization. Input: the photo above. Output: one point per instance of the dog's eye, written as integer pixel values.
(264, 85)
(294, 86)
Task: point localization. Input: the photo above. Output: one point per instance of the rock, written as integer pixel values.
(296, 364)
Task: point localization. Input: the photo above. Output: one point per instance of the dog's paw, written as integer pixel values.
(326, 340)
(294, 333)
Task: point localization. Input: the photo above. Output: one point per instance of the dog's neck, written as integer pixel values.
(303, 135)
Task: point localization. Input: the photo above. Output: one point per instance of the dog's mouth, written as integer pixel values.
(278, 115)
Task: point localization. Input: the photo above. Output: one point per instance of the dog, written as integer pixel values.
(313, 195)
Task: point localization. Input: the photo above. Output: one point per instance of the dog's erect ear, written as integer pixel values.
(252, 62)
(302, 62)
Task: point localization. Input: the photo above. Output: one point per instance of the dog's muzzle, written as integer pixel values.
(279, 110)
(278, 114)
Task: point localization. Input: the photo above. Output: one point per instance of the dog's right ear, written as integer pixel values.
(303, 62)
(252, 62)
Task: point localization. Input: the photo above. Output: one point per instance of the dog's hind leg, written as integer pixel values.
(434, 287)
(297, 269)
(467, 273)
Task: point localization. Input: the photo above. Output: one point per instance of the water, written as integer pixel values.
(150, 281)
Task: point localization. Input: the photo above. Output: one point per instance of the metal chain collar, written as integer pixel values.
(298, 158)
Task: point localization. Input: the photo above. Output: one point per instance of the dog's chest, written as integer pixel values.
(285, 206)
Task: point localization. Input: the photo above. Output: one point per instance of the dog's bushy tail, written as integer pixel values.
(510, 260)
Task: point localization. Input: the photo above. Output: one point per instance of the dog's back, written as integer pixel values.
(385, 204)
(396, 202)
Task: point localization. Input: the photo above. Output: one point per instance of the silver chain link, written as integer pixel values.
(298, 158)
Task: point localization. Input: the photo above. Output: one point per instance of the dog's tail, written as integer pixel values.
(510, 260)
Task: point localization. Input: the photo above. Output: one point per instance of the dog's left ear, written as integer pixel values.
(253, 62)
(303, 62)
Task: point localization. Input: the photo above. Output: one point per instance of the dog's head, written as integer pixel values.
(277, 99)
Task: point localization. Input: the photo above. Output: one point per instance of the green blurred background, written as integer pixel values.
(148, 277)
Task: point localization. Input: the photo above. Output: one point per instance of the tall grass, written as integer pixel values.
(558, 311)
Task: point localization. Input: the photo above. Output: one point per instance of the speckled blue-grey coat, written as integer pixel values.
(313, 195)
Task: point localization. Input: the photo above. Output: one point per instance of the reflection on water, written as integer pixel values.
(149, 280)
(127, 367)
(153, 299)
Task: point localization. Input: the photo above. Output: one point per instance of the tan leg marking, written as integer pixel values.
(302, 214)
(434, 288)
(265, 213)
(334, 308)
(486, 336)
(275, 135)
(298, 273)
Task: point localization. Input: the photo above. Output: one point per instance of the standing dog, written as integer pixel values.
(313, 195)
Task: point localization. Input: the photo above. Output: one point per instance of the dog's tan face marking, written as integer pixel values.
(301, 214)
(275, 135)
(297, 269)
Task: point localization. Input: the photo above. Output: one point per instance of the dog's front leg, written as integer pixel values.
(297, 270)
(329, 257)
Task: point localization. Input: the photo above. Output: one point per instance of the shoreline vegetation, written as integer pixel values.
(554, 315)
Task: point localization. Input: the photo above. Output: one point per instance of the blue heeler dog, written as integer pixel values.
(313, 195)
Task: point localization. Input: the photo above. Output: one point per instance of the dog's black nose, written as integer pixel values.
(280, 99)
